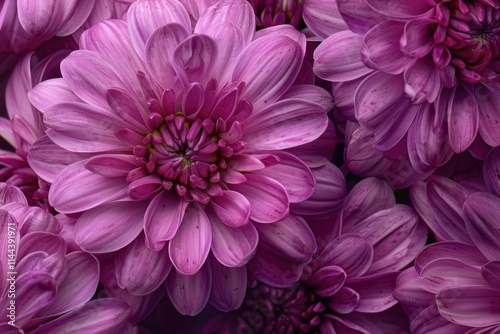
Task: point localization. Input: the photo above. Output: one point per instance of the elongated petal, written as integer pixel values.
(463, 119)
(488, 114)
(422, 81)
(311, 93)
(10, 194)
(482, 211)
(77, 189)
(75, 15)
(418, 37)
(163, 218)
(328, 280)
(268, 66)
(475, 306)
(268, 198)
(40, 18)
(106, 315)
(190, 293)
(446, 273)
(49, 92)
(189, 247)
(109, 227)
(338, 58)
(358, 15)
(375, 291)
(431, 321)
(400, 8)
(140, 270)
(323, 18)
(490, 171)
(285, 124)
(144, 17)
(233, 209)
(491, 273)
(228, 286)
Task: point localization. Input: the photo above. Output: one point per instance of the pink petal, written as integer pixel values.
(75, 15)
(375, 291)
(106, 315)
(431, 321)
(463, 119)
(401, 8)
(190, 293)
(79, 285)
(144, 17)
(76, 189)
(232, 246)
(163, 218)
(491, 273)
(418, 38)
(19, 83)
(422, 81)
(338, 58)
(40, 18)
(311, 93)
(110, 226)
(11, 194)
(490, 171)
(140, 270)
(190, 246)
(346, 300)
(41, 241)
(89, 76)
(47, 159)
(285, 124)
(381, 49)
(323, 18)
(111, 165)
(268, 66)
(49, 92)
(232, 208)
(228, 286)
(358, 15)
(488, 113)
(328, 280)
(290, 238)
(482, 211)
(268, 198)
(81, 127)
(160, 51)
(474, 306)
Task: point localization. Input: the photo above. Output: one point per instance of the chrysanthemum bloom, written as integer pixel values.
(44, 288)
(427, 71)
(187, 129)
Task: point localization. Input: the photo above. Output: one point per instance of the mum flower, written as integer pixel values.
(186, 129)
(424, 74)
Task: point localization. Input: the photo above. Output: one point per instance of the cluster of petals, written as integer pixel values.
(407, 73)
(174, 137)
(46, 286)
(453, 284)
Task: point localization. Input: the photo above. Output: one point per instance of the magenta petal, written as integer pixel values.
(76, 189)
(345, 301)
(311, 93)
(232, 246)
(482, 211)
(109, 227)
(11, 194)
(76, 13)
(475, 306)
(488, 113)
(463, 119)
(140, 270)
(338, 58)
(106, 315)
(431, 321)
(111, 165)
(328, 280)
(268, 198)
(323, 18)
(190, 293)
(285, 124)
(40, 18)
(232, 208)
(268, 66)
(190, 246)
(444, 273)
(418, 37)
(375, 291)
(290, 238)
(422, 81)
(401, 8)
(491, 273)
(144, 17)
(163, 218)
(49, 92)
(228, 286)
(358, 15)
(78, 286)
(490, 173)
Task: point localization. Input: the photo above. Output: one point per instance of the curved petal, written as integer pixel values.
(49, 92)
(323, 17)
(163, 218)
(422, 81)
(491, 273)
(75, 15)
(401, 8)
(228, 286)
(463, 119)
(40, 18)
(328, 280)
(268, 198)
(375, 291)
(190, 246)
(109, 227)
(488, 100)
(232, 208)
(430, 320)
(490, 171)
(418, 38)
(358, 15)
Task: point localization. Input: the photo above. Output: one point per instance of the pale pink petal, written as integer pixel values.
(463, 118)
(285, 124)
(338, 58)
(76, 189)
(268, 66)
(144, 17)
(81, 127)
(79, 285)
(109, 227)
(49, 92)
(163, 218)
(190, 246)
(474, 306)
(89, 76)
(290, 238)
(190, 293)
(232, 208)
(140, 270)
(358, 15)
(381, 49)
(106, 315)
(268, 198)
(323, 17)
(228, 286)
(232, 246)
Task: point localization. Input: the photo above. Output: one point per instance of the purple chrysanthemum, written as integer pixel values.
(185, 133)
(421, 75)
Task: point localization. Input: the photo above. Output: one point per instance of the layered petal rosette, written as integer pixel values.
(187, 131)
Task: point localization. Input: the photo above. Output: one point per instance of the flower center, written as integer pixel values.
(473, 39)
(274, 12)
